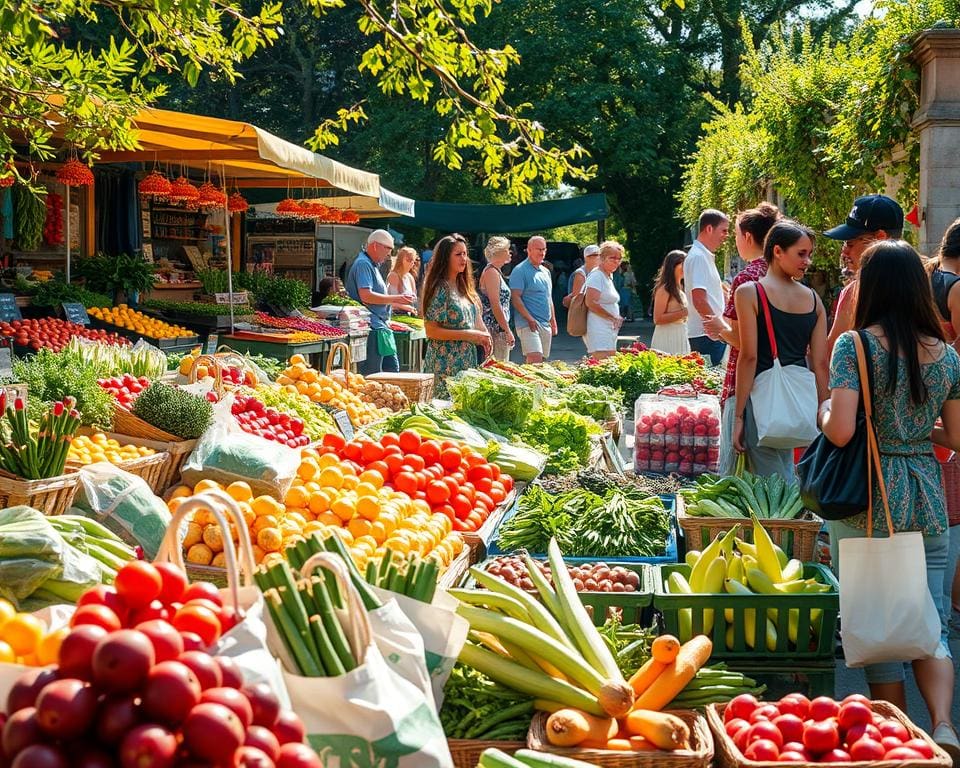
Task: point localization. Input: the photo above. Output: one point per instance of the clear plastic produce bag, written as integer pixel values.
(677, 435)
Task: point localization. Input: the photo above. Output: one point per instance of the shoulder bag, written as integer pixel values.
(833, 479)
(577, 313)
(784, 398)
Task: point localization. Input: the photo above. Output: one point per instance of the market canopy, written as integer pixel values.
(492, 219)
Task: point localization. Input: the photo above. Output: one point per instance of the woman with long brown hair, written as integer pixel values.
(452, 313)
(670, 307)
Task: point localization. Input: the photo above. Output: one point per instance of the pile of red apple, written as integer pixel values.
(54, 333)
(798, 730)
(125, 388)
(674, 438)
(269, 423)
(147, 697)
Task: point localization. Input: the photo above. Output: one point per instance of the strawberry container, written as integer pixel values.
(677, 434)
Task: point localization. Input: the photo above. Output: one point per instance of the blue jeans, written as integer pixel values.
(714, 348)
(374, 362)
(936, 549)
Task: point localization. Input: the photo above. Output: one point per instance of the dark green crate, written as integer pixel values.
(821, 645)
(634, 607)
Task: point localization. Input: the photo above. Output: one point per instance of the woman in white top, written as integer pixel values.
(670, 307)
(591, 258)
(401, 279)
(603, 303)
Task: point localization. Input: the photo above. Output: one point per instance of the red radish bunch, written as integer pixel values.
(675, 438)
(53, 333)
(452, 478)
(254, 417)
(797, 730)
(299, 324)
(125, 388)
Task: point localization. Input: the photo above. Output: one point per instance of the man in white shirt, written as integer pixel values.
(702, 284)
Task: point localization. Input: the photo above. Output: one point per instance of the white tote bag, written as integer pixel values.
(370, 715)
(784, 398)
(886, 609)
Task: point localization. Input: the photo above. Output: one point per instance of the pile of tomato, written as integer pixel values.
(53, 333)
(452, 478)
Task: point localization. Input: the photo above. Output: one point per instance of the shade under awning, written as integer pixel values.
(493, 219)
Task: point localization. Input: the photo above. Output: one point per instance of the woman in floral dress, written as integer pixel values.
(451, 312)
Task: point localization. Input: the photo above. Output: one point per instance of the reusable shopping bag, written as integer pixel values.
(784, 398)
(371, 715)
(886, 609)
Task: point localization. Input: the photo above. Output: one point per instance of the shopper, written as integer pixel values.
(873, 217)
(670, 307)
(531, 294)
(402, 278)
(702, 285)
(603, 303)
(628, 291)
(591, 258)
(365, 284)
(495, 297)
(799, 323)
(451, 310)
(750, 230)
(916, 379)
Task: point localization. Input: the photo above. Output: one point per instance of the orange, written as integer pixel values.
(359, 527)
(181, 491)
(7, 656)
(264, 521)
(345, 508)
(294, 359)
(206, 485)
(49, 648)
(372, 477)
(297, 497)
(174, 504)
(368, 507)
(266, 505)
(327, 519)
(269, 539)
(240, 491)
(7, 611)
(308, 470)
(331, 477)
(379, 532)
(350, 482)
(365, 489)
(23, 633)
(318, 503)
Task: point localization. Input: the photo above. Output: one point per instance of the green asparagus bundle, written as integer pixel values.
(411, 576)
(44, 454)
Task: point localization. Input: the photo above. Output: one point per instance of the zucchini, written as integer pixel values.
(494, 758)
(534, 759)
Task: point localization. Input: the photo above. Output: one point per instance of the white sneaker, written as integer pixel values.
(946, 738)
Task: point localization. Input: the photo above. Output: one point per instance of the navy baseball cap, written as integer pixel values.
(870, 213)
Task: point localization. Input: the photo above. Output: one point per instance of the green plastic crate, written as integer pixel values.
(822, 638)
(634, 607)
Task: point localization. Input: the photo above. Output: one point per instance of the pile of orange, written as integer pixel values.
(301, 378)
(25, 639)
(89, 449)
(328, 496)
(124, 317)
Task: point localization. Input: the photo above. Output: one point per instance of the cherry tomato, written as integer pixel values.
(199, 620)
(139, 583)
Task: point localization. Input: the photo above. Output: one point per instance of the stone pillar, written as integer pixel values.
(937, 123)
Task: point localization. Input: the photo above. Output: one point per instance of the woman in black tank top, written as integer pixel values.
(799, 328)
(945, 275)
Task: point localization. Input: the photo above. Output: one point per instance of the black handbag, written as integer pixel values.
(834, 482)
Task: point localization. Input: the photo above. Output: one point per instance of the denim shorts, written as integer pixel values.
(936, 549)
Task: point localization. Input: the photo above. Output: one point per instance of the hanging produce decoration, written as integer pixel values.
(53, 225)
(8, 176)
(211, 197)
(316, 211)
(29, 216)
(73, 173)
(349, 217)
(237, 203)
(183, 191)
(155, 185)
(289, 207)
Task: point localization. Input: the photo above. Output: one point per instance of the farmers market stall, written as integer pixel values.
(266, 564)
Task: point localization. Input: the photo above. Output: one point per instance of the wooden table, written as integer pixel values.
(314, 351)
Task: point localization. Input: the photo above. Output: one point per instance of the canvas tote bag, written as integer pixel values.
(784, 398)
(886, 608)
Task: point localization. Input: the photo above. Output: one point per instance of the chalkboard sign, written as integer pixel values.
(8, 308)
(612, 456)
(212, 341)
(75, 312)
(343, 422)
(6, 363)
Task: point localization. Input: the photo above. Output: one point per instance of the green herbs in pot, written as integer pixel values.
(174, 410)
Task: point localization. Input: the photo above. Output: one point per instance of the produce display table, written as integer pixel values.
(166, 345)
(313, 350)
(410, 349)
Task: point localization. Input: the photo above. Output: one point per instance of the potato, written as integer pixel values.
(213, 538)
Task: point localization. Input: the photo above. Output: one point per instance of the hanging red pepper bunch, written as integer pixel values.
(53, 226)
(45, 454)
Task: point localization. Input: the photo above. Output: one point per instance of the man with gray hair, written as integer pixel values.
(365, 284)
(531, 288)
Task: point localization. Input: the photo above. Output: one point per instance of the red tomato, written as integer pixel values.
(389, 439)
(203, 590)
(381, 467)
(430, 451)
(461, 506)
(507, 482)
(452, 484)
(95, 614)
(474, 460)
(394, 463)
(497, 492)
(409, 441)
(199, 620)
(437, 493)
(487, 502)
(480, 472)
(446, 509)
(415, 462)
(335, 441)
(371, 451)
(406, 482)
(351, 451)
(483, 485)
(467, 490)
(139, 583)
(450, 459)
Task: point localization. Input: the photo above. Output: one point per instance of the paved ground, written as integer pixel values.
(570, 349)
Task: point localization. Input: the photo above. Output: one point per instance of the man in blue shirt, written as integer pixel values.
(365, 284)
(531, 289)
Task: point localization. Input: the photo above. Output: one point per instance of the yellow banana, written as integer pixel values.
(792, 570)
(746, 548)
(735, 568)
(713, 585)
(760, 582)
(677, 585)
(698, 571)
(726, 544)
(781, 556)
(766, 553)
(691, 557)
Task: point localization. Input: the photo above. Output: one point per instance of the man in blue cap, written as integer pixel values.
(872, 218)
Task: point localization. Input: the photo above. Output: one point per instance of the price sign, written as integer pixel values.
(213, 341)
(75, 312)
(8, 308)
(611, 454)
(6, 363)
(342, 418)
(238, 297)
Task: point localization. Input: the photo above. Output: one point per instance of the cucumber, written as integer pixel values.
(494, 758)
(534, 759)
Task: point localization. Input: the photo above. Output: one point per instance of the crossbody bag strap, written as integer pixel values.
(873, 446)
(765, 307)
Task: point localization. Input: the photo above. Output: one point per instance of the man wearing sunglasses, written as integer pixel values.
(872, 218)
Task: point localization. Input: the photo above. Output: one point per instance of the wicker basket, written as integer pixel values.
(728, 756)
(176, 451)
(951, 488)
(126, 423)
(418, 387)
(797, 537)
(51, 495)
(151, 468)
(466, 752)
(700, 754)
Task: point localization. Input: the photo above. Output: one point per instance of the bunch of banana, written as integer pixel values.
(733, 566)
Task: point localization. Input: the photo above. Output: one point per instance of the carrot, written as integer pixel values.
(570, 727)
(665, 648)
(693, 655)
(663, 730)
(644, 677)
(619, 745)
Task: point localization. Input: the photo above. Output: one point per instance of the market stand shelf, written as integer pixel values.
(796, 537)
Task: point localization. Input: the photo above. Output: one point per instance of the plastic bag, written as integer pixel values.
(124, 503)
(226, 454)
(677, 434)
